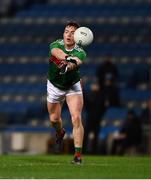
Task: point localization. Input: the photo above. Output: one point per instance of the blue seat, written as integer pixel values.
(120, 49)
(23, 69)
(133, 74)
(26, 49)
(114, 113)
(102, 10)
(23, 88)
(88, 69)
(129, 94)
(105, 131)
(18, 111)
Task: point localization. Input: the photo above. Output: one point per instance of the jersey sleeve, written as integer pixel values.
(81, 55)
(55, 44)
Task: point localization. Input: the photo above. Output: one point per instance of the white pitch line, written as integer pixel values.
(59, 164)
(54, 164)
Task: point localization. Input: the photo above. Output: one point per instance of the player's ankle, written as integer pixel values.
(77, 154)
(61, 133)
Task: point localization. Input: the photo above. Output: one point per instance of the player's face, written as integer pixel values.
(68, 36)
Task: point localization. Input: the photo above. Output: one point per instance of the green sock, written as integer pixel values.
(78, 151)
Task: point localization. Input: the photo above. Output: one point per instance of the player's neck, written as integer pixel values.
(69, 48)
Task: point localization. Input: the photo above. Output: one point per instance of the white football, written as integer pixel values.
(83, 36)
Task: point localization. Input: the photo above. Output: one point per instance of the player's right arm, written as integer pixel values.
(58, 53)
(57, 56)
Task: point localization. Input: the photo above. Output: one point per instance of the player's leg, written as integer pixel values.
(75, 104)
(54, 110)
(54, 105)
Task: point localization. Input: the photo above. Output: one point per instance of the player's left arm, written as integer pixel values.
(75, 61)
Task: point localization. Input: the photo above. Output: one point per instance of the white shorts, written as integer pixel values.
(55, 95)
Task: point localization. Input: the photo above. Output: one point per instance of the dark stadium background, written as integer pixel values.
(122, 31)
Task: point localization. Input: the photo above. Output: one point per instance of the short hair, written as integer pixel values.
(72, 23)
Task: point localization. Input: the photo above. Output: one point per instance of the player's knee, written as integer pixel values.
(76, 120)
(54, 118)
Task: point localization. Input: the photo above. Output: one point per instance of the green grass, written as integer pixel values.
(58, 166)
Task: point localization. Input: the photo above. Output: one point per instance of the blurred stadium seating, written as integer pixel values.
(122, 30)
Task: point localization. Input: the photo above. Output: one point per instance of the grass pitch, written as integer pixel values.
(58, 166)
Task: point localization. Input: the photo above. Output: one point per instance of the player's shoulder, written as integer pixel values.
(58, 41)
(79, 52)
(78, 48)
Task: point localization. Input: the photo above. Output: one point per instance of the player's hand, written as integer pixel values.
(71, 59)
(63, 67)
(69, 64)
(68, 58)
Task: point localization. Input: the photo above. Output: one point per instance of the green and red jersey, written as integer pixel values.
(64, 81)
